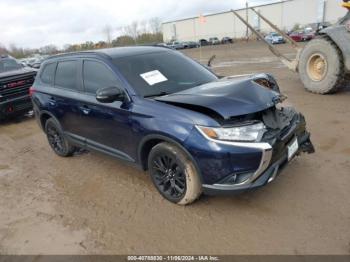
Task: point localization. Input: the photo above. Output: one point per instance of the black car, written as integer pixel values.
(15, 81)
(203, 42)
(227, 40)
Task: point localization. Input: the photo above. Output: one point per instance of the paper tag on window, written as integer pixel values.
(153, 77)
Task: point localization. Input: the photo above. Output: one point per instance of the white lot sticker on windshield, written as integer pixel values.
(153, 77)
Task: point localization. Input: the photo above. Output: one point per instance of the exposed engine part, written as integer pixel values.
(276, 118)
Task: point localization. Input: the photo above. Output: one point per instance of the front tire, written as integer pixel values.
(57, 140)
(173, 174)
(321, 67)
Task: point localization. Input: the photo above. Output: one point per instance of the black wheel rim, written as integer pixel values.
(55, 139)
(169, 176)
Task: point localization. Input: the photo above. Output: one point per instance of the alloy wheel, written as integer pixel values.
(169, 177)
(55, 139)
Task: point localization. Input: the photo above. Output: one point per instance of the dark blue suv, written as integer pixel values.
(194, 131)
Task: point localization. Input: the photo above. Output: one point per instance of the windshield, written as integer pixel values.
(8, 64)
(162, 73)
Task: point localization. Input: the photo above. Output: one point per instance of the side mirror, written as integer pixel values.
(110, 94)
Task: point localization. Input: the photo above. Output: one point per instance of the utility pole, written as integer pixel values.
(246, 15)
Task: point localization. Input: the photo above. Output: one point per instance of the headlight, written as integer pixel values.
(244, 133)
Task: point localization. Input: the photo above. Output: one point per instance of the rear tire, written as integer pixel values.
(57, 140)
(321, 67)
(173, 174)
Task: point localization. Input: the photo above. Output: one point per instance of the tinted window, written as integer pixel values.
(162, 72)
(48, 74)
(97, 75)
(66, 74)
(8, 64)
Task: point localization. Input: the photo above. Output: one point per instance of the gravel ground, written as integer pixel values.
(95, 204)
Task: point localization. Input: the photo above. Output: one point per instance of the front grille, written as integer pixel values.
(15, 88)
(279, 139)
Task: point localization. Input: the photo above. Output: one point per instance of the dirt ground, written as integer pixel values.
(95, 204)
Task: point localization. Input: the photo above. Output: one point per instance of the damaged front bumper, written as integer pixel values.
(238, 167)
(265, 174)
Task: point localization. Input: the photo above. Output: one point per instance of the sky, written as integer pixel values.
(36, 23)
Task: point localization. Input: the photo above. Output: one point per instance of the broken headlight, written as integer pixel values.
(244, 133)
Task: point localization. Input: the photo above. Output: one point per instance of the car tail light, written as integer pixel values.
(31, 90)
(10, 109)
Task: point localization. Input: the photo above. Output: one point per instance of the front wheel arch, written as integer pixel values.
(156, 139)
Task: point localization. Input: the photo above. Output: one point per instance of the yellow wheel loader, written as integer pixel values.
(324, 63)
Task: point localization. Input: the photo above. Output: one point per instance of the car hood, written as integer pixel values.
(228, 98)
(21, 71)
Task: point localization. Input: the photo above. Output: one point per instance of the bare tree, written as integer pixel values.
(155, 25)
(132, 30)
(143, 27)
(15, 51)
(108, 33)
(3, 50)
(48, 49)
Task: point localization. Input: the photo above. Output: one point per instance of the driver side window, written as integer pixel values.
(96, 75)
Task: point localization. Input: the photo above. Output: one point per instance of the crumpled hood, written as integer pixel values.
(228, 98)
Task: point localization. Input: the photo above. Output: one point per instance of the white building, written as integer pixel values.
(285, 14)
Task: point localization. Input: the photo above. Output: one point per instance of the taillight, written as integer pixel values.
(31, 90)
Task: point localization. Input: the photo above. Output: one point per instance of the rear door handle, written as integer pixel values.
(85, 109)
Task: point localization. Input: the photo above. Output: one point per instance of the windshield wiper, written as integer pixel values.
(155, 95)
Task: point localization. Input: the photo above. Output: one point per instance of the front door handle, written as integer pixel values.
(85, 109)
(52, 101)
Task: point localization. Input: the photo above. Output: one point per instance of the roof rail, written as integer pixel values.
(156, 45)
(77, 53)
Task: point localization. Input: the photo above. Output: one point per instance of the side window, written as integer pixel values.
(96, 75)
(48, 73)
(66, 74)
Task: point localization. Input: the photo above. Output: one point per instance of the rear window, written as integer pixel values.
(48, 74)
(9, 64)
(66, 74)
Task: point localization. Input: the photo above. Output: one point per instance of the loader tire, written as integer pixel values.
(321, 67)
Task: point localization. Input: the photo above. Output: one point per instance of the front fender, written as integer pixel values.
(165, 138)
